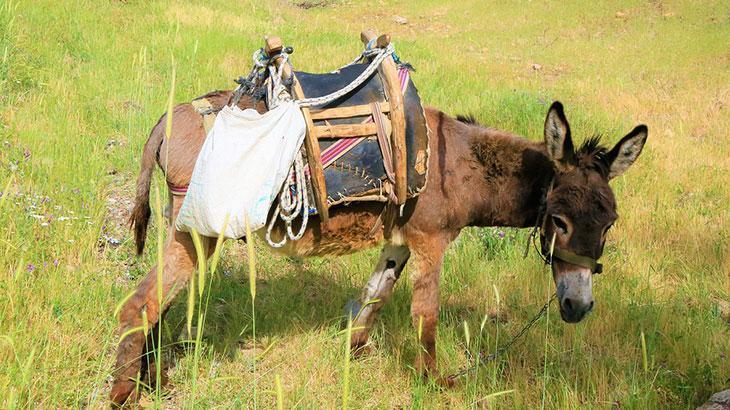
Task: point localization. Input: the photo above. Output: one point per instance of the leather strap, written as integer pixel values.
(388, 215)
(579, 260)
(206, 109)
(385, 147)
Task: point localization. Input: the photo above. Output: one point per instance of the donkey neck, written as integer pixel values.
(514, 175)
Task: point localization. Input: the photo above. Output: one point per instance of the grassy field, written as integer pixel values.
(81, 84)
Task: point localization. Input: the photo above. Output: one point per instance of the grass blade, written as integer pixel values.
(467, 334)
(190, 306)
(346, 367)
(252, 289)
(493, 395)
(170, 107)
(279, 393)
(251, 260)
(218, 247)
(200, 252)
(5, 192)
(644, 356)
(159, 214)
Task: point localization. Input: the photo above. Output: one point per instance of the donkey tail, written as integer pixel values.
(141, 213)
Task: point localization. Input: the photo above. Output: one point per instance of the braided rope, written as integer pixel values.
(291, 204)
(367, 53)
(380, 55)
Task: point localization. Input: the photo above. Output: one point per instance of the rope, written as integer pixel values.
(293, 201)
(277, 89)
(380, 55)
(367, 53)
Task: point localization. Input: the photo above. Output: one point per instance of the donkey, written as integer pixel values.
(477, 176)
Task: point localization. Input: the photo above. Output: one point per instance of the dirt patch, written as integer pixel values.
(306, 5)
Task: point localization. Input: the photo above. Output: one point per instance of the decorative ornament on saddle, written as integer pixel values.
(366, 135)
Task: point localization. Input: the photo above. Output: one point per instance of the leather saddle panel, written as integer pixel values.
(357, 170)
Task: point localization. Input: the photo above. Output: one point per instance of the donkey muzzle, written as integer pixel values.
(575, 293)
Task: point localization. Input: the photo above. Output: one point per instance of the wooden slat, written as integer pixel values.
(314, 157)
(345, 130)
(346, 112)
(389, 72)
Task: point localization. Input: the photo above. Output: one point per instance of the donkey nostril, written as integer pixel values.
(567, 304)
(590, 307)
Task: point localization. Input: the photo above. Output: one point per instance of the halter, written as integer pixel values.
(557, 252)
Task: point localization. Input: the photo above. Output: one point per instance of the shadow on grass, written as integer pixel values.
(287, 304)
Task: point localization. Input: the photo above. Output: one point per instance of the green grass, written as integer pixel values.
(82, 83)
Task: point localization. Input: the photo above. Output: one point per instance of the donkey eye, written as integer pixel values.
(560, 224)
(605, 231)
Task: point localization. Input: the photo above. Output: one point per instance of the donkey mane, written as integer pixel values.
(593, 155)
(468, 119)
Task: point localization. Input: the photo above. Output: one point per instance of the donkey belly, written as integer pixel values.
(348, 231)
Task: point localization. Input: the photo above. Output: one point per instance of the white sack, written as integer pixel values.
(240, 169)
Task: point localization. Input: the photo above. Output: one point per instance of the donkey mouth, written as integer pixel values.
(575, 315)
(571, 317)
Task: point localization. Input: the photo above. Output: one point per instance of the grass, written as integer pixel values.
(81, 86)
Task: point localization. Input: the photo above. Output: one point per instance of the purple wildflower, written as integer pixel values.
(55, 263)
(31, 267)
(500, 234)
(26, 153)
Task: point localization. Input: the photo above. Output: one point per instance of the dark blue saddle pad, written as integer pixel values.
(360, 170)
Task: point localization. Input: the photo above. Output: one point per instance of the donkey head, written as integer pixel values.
(580, 208)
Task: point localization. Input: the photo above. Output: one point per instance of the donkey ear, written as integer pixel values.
(557, 136)
(626, 151)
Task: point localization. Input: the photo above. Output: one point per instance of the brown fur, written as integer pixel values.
(477, 177)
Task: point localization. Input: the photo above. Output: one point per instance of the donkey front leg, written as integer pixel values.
(179, 261)
(428, 252)
(376, 293)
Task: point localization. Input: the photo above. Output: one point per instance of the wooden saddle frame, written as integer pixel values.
(392, 115)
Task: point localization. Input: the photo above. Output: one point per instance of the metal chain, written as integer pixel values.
(483, 359)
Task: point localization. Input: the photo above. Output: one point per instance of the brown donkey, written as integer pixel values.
(477, 177)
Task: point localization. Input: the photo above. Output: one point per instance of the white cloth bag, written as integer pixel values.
(240, 169)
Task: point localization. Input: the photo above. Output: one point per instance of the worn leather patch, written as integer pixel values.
(420, 165)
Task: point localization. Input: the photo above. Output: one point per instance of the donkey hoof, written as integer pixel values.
(352, 309)
(446, 382)
(359, 351)
(123, 394)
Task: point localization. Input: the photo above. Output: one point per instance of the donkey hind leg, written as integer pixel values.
(376, 293)
(179, 261)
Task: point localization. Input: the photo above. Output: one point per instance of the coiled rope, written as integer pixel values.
(292, 202)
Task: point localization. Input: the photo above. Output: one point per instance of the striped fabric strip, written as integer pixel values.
(178, 189)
